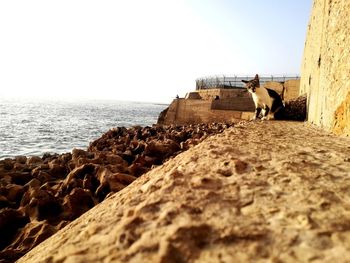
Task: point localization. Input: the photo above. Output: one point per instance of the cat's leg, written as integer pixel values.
(266, 113)
(257, 112)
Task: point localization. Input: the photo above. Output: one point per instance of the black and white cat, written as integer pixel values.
(267, 101)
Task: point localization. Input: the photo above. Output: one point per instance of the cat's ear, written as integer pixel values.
(245, 81)
(257, 76)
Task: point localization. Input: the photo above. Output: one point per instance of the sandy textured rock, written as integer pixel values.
(325, 66)
(342, 117)
(58, 188)
(295, 109)
(264, 192)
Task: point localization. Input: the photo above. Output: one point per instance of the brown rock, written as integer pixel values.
(240, 166)
(57, 170)
(80, 172)
(34, 160)
(14, 192)
(90, 182)
(47, 157)
(78, 153)
(30, 236)
(115, 159)
(4, 203)
(118, 168)
(10, 221)
(102, 175)
(77, 202)
(40, 167)
(128, 156)
(33, 183)
(40, 204)
(81, 161)
(23, 167)
(43, 177)
(111, 182)
(162, 149)
(21, 178)
(5, 179)
(21, 159)
(295, 109)
(116, 180)
(137, 169)
(65, 158)
(7, 163)
(184, 145)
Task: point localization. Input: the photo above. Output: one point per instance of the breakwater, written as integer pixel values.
(40, 195)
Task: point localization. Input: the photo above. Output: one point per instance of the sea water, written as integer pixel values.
(34, 127)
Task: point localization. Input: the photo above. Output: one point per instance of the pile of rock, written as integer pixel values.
(40, 195)
(295, 109)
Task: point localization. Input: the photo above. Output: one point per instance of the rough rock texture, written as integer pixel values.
(195, 111)
(326, 65)
(342, 117)
(39, 196)
(291, 88)
(262, 192)
(295, 109)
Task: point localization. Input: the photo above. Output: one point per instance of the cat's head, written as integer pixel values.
(252, 84)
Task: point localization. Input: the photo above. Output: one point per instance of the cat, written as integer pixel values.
(267, 101)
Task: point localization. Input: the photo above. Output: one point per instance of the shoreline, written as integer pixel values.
(49, 192)
(33, 128)
(254, 193)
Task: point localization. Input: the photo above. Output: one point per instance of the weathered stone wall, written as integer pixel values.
(326, 65)
(233, 104)
(292, 88)
(192, 111)
(209, 94)
(291, 91)
(236, 104)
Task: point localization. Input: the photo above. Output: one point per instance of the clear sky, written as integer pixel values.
(142, 50)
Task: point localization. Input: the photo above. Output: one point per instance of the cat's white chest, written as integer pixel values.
(261, 98)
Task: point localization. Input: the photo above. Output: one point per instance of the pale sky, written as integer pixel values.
(143, 50)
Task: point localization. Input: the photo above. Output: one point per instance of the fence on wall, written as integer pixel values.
(234, 82)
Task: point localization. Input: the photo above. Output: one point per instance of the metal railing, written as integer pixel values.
(234, 82)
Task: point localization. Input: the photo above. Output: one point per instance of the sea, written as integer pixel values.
(37, 126)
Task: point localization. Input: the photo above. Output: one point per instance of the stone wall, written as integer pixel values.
(292, 88)
(192, 111)
(326, 66)
(291, 91)
(237, 104)
(210, 94)
(200, 106)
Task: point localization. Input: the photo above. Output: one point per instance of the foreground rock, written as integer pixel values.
(39, 196)
(295, 109)
(265, 192)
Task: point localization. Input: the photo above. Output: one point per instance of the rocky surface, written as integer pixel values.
(39, 196)
(295, 109)
(265, 192)
(342, 117)
(325, 66)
